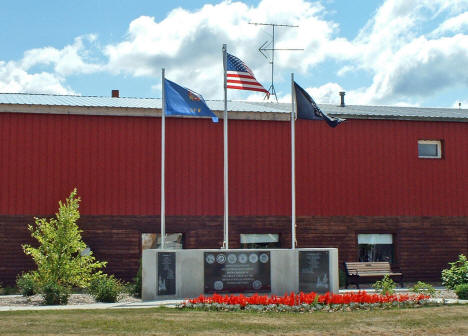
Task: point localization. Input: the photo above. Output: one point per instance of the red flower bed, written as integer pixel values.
(307, 298)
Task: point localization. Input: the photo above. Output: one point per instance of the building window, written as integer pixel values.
(173, 241)
(259, 241)
(429, 149)
(375, 247)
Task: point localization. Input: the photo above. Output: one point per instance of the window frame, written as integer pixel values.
(396, 243)
(158, 236)
(438, 143)
(260, 233)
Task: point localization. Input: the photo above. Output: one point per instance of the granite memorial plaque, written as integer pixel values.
(166, 273)
(237, 272)
(314, 271)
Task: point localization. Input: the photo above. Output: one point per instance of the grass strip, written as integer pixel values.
(442, 320)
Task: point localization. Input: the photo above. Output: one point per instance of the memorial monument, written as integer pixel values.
(180, 274)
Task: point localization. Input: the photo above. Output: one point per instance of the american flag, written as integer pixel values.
(240, 77)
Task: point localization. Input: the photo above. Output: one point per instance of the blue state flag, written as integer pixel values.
(308, 109)
(182, 101)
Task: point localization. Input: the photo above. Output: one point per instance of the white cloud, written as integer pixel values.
(346, 69)
(456, 24)
(326, 94)
(191, 52)
(70, 60)
(14, 79)
(405, 63)
(391, 48)
(421, 68)
(44, 70)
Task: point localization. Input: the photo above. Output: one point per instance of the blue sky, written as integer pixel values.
(386, 52)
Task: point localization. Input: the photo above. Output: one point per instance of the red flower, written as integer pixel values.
(293, 299)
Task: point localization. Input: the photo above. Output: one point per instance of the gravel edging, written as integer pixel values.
(74, 300)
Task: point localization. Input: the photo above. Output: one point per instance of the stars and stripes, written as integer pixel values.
(240, 77)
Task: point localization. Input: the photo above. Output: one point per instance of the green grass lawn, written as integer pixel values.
(442, 320)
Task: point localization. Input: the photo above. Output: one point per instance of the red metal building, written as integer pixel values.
(367, 187)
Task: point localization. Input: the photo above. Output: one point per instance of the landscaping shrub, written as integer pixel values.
(423, 288)
(26, 284)
(105, 288)
(135, 287)
(55, 294)
(462, 291)
(386, 286)
(457, 274)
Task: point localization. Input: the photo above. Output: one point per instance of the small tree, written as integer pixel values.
(58, 257)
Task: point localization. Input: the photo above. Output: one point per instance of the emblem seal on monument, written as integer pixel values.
(253, 258)
(210, 259)
(242, 258)
(264, 258)
(220, 258)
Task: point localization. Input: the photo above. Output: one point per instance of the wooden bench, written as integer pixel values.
(355, 271)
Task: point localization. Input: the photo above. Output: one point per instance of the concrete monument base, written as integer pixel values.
(181, 274)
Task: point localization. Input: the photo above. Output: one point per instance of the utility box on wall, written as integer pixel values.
(181, 274)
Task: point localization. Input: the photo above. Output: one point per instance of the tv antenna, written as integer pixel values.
(264, 48)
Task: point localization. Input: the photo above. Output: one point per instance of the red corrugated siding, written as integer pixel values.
(371, 167)
(259, 168)
(363, 167)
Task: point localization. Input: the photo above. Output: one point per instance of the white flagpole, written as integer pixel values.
(293, 166)
(226, 179)
(163, 160)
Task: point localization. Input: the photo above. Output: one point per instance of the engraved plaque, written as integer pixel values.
(166, 273)
(237, 272)
(314, 271)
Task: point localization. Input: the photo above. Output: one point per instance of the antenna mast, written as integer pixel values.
(264, 47)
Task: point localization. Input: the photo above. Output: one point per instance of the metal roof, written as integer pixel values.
(349, 111)
(397, 112)
(146, 103)
(59, 100)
